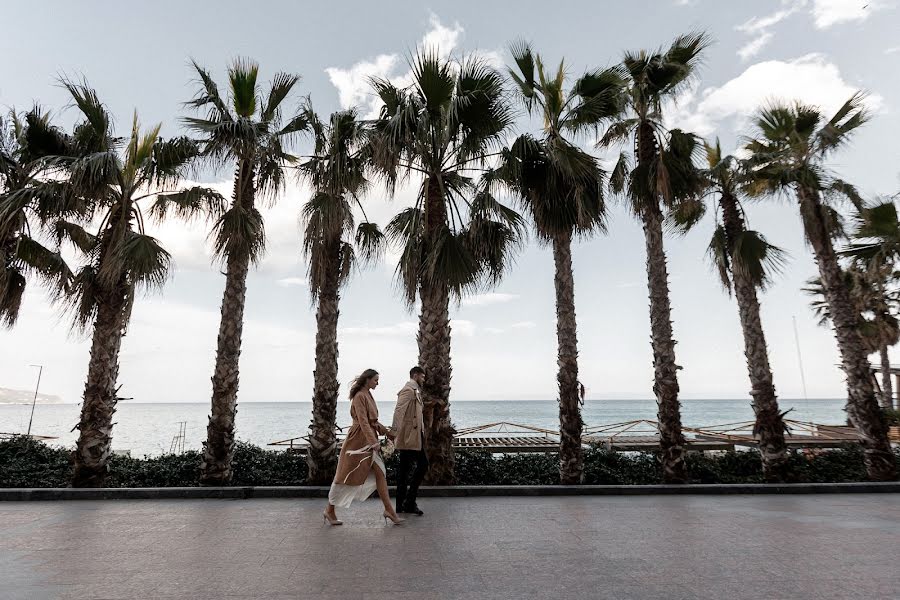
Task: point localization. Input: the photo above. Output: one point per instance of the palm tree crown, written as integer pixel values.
(24, 142)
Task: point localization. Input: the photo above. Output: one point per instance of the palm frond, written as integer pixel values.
(281, 87)
(239, 231)
(190, 203)
(756, 258)
(242, 74)
(720, 257)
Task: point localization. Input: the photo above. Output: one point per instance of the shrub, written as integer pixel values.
(25, 462)
(28, 463)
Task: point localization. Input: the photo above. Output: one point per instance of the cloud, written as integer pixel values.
(827, 13)
(489, 299)
(441, 38)
(462, 327)
(353, 84)
(291, 281)
(760, 24)
(405, 328)
(753, 47)
(811, 79)
(523, 325)
(893, 50)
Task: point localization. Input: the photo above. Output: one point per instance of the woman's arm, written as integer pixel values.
(360, 404)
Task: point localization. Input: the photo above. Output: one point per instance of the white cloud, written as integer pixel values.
(291, 281)
(759, 24)
(441, 38)
(353, 83)
(524, 325)
(405, 328)
(489, 299)
(811, 79)
(893, 50)
(754, 46)
(462, 327)
(827, 13)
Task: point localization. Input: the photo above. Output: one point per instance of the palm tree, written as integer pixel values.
(662, 176)
(561, 187)
(876, 247)
(104, 183)
(442, 128)
(745, 262)
(24, 141)
(244, 129)
(336, 171)
(874, 305)
(788, 152)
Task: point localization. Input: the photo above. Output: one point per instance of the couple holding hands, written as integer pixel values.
(361, 469)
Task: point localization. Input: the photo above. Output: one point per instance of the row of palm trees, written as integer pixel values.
(449, 133)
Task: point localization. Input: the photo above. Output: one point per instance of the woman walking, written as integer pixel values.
(360, 467)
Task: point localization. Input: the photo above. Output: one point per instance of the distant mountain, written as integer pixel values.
(8, 396)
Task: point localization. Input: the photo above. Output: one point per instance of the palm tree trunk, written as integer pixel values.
(99, 404)
(434, 357)
(665, 381)
(887, 391)
(769, 428)
(571, 465)
(218, 450)
(322, 454)
(862, 406)
(434, 353)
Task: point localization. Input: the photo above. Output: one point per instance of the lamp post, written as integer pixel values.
(33, 402)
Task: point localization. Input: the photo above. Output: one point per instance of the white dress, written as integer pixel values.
(342, 495)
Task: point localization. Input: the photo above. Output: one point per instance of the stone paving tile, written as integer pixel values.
(581, 547)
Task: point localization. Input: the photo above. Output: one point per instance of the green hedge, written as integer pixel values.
(28, 463)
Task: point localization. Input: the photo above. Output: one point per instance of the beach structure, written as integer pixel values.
(640, 435)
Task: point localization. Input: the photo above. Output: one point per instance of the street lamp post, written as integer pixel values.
(34, 401)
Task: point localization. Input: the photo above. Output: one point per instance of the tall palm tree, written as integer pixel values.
(659, 177)
(106, 183)
(245, 129)
(875, 246)
(24, 141)
(561, 187)
(745, 262)
(789, 150)
(336, 171)
(443, 128)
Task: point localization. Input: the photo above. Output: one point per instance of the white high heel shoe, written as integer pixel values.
(387, 517)
(331, 521)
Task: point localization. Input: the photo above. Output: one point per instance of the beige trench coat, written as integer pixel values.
(353, 469)
(408, 425)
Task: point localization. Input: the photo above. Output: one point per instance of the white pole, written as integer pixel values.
(799, 358)
(34, 401)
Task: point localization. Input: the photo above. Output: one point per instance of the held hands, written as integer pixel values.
(391, 435)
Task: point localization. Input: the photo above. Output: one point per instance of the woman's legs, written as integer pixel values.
(330, 511)
(381, 486)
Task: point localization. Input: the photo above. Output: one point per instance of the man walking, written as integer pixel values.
(409, 430)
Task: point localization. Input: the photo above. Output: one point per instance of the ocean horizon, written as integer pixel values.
(148, 428)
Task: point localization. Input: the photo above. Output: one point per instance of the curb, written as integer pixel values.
(462, 491)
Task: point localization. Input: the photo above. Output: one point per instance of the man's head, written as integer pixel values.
(417, 374)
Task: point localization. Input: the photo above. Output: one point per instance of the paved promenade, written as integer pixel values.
(723, 547)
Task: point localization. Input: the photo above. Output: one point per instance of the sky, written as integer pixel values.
(504, 342)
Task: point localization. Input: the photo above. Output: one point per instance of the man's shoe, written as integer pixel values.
(413, 509)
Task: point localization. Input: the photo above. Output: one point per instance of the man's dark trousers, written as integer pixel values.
(408, 487)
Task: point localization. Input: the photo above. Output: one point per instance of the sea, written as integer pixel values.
(149, 429)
